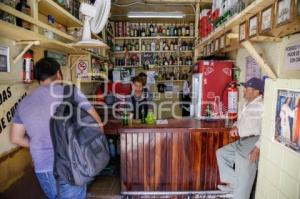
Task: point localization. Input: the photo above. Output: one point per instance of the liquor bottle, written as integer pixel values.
(147, 31)
(171, 30)
(175, 31)
(187, 30)
(161, 45)
(168, 31)
(143, 46)
(151, 29)
(165, 61)
(153, 46)
(172, 46)
(183, 30)
(155, 30)
(143, 34)
(148, 47)
(137, 46)
(139, 30)
(160, 30)
(131, 30)
(180, 63)
(179, 31)
(164, 31)
(135, 30)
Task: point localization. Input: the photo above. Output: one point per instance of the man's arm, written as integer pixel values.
(96, 116)
(18, 135)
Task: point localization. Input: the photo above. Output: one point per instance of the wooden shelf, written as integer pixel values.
(124, 52)
(167, 51)
(163, 81)
(249, 11)
(157, 37)
(16, 33)
(49, 7)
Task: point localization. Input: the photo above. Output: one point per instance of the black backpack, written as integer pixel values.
(80, 148)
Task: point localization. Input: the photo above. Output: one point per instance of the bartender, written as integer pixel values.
(138, 100)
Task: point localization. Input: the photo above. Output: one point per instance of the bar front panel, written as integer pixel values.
(170, 159)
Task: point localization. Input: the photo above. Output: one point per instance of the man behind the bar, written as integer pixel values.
(238, 161)
(31, 128)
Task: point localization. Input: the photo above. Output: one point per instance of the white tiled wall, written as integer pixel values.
(279, 166)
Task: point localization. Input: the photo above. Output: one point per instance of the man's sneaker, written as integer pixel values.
(225, 188)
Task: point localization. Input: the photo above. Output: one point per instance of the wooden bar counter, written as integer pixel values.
(178, 156)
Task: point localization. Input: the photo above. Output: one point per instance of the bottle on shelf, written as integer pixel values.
(143, 46)
(22, 6)
(175, 31)
(183, 30)
(179, 30)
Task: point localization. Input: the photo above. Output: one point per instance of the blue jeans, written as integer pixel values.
(66, 191)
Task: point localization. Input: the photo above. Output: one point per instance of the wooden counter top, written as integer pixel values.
(114, 126)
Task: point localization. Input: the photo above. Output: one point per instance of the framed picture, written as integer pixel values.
(267, 19)
(253, 26)
(283, 14)
(4, 59)
(222, 42)
(243, 31)
(287, 119)
(217, 44)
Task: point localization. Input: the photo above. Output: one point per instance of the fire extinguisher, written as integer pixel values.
(28, 67)
(232, 93)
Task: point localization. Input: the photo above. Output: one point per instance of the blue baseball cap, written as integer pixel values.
(255, 83)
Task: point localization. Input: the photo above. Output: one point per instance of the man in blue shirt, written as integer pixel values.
(31, 128)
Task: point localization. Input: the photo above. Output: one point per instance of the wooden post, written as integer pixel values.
(260, 61)
(197, 50)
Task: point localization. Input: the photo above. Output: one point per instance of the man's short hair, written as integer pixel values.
(46, 68)
(142, 74)
(137, 79)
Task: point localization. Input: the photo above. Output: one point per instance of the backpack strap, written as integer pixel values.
(69, 93)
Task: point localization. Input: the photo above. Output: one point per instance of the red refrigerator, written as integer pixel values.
(215, 75)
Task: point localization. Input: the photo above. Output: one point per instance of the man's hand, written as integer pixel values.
(254, 154)
(101, 126)
(234, 132)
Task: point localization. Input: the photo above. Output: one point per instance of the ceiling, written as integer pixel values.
(120, 8)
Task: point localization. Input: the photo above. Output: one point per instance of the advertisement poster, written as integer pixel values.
(82, 69)
(292, 57)
(287, 121)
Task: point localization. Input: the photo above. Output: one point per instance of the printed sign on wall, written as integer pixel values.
(82, 69)
(287, 121)
(292, 57)
(10, 97)
(252, 68)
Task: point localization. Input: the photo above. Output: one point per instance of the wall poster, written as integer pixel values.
(287, 119)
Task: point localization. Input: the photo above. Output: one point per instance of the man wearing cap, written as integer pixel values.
(238, 161)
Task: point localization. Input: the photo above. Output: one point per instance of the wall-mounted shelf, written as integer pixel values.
(249, 11)
(16, 33)
(61, 15)
(157, 37)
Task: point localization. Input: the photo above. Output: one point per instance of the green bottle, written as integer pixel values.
(125, 118)
(143, 119)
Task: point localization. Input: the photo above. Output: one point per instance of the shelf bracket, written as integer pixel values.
(232, 35)
(27, 47)
(265, 39)
(260, 61)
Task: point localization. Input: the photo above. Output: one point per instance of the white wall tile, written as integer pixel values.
(289, 186)
(291, 163)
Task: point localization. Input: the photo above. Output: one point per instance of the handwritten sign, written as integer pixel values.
(292, 57)
(10, 97)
